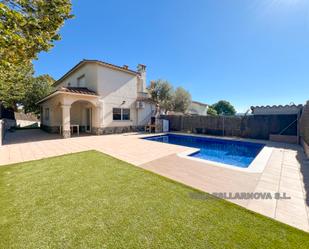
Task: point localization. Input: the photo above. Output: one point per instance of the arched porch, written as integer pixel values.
(67, 112)
(80, 115)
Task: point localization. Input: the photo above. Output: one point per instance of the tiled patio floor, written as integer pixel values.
(287, 169)
(35, 144)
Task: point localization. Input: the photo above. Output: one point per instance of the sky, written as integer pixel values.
(249, 52)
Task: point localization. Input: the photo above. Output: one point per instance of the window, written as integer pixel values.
(121, 114)
(116, 113)
(125, 114)
(69, 84)
(81, 81)
(46, 114)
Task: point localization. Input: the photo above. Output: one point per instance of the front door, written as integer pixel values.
(88, 120)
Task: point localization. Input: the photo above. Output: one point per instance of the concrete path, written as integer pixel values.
(287, 170)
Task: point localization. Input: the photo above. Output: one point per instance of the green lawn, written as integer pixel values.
(91, 200)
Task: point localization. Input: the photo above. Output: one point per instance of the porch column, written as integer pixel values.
(100, 114)
(66, 122)
(98, 119)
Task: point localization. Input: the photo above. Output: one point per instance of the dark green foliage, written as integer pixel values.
(181, 100)
(39, 87)
(211, 111)
(224, 107)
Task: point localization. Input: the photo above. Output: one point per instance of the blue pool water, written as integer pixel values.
(236, 153)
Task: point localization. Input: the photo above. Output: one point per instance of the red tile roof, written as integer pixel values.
(199, 103)
(79, 90)
(26, 116)
(76, 90)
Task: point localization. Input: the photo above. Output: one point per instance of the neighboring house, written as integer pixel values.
(99, 98)
(198, 108)
(24, 120)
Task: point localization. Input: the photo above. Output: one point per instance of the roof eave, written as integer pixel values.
(81, 63)
(62, 92)
(199, 103)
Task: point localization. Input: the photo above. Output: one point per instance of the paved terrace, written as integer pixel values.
(287, 169)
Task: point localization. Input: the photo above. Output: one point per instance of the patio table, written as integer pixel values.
(71, 128)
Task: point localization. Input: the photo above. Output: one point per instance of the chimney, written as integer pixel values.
(142, 71)
(125, 66)
(141, 68)
(152, 84)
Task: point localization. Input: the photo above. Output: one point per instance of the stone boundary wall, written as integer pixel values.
(304, 128)
(116, 130)
(251, 126)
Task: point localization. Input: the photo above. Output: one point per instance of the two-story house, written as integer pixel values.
(99, 98)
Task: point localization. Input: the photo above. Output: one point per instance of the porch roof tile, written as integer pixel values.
(75, 90)
(79, 90)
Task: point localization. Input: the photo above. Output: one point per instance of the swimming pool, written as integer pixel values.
(236, 153)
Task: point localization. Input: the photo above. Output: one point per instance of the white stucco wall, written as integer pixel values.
(54, 112)
(89, 71)
(144, 115)
(77, 116)
(25, 123)
(117, 90)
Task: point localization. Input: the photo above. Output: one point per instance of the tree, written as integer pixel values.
(181, 100)
(161, 92)
(211, 111)
(20, 88)
(38, 89)
(14, 85)
(224, 107)
(28, 27)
